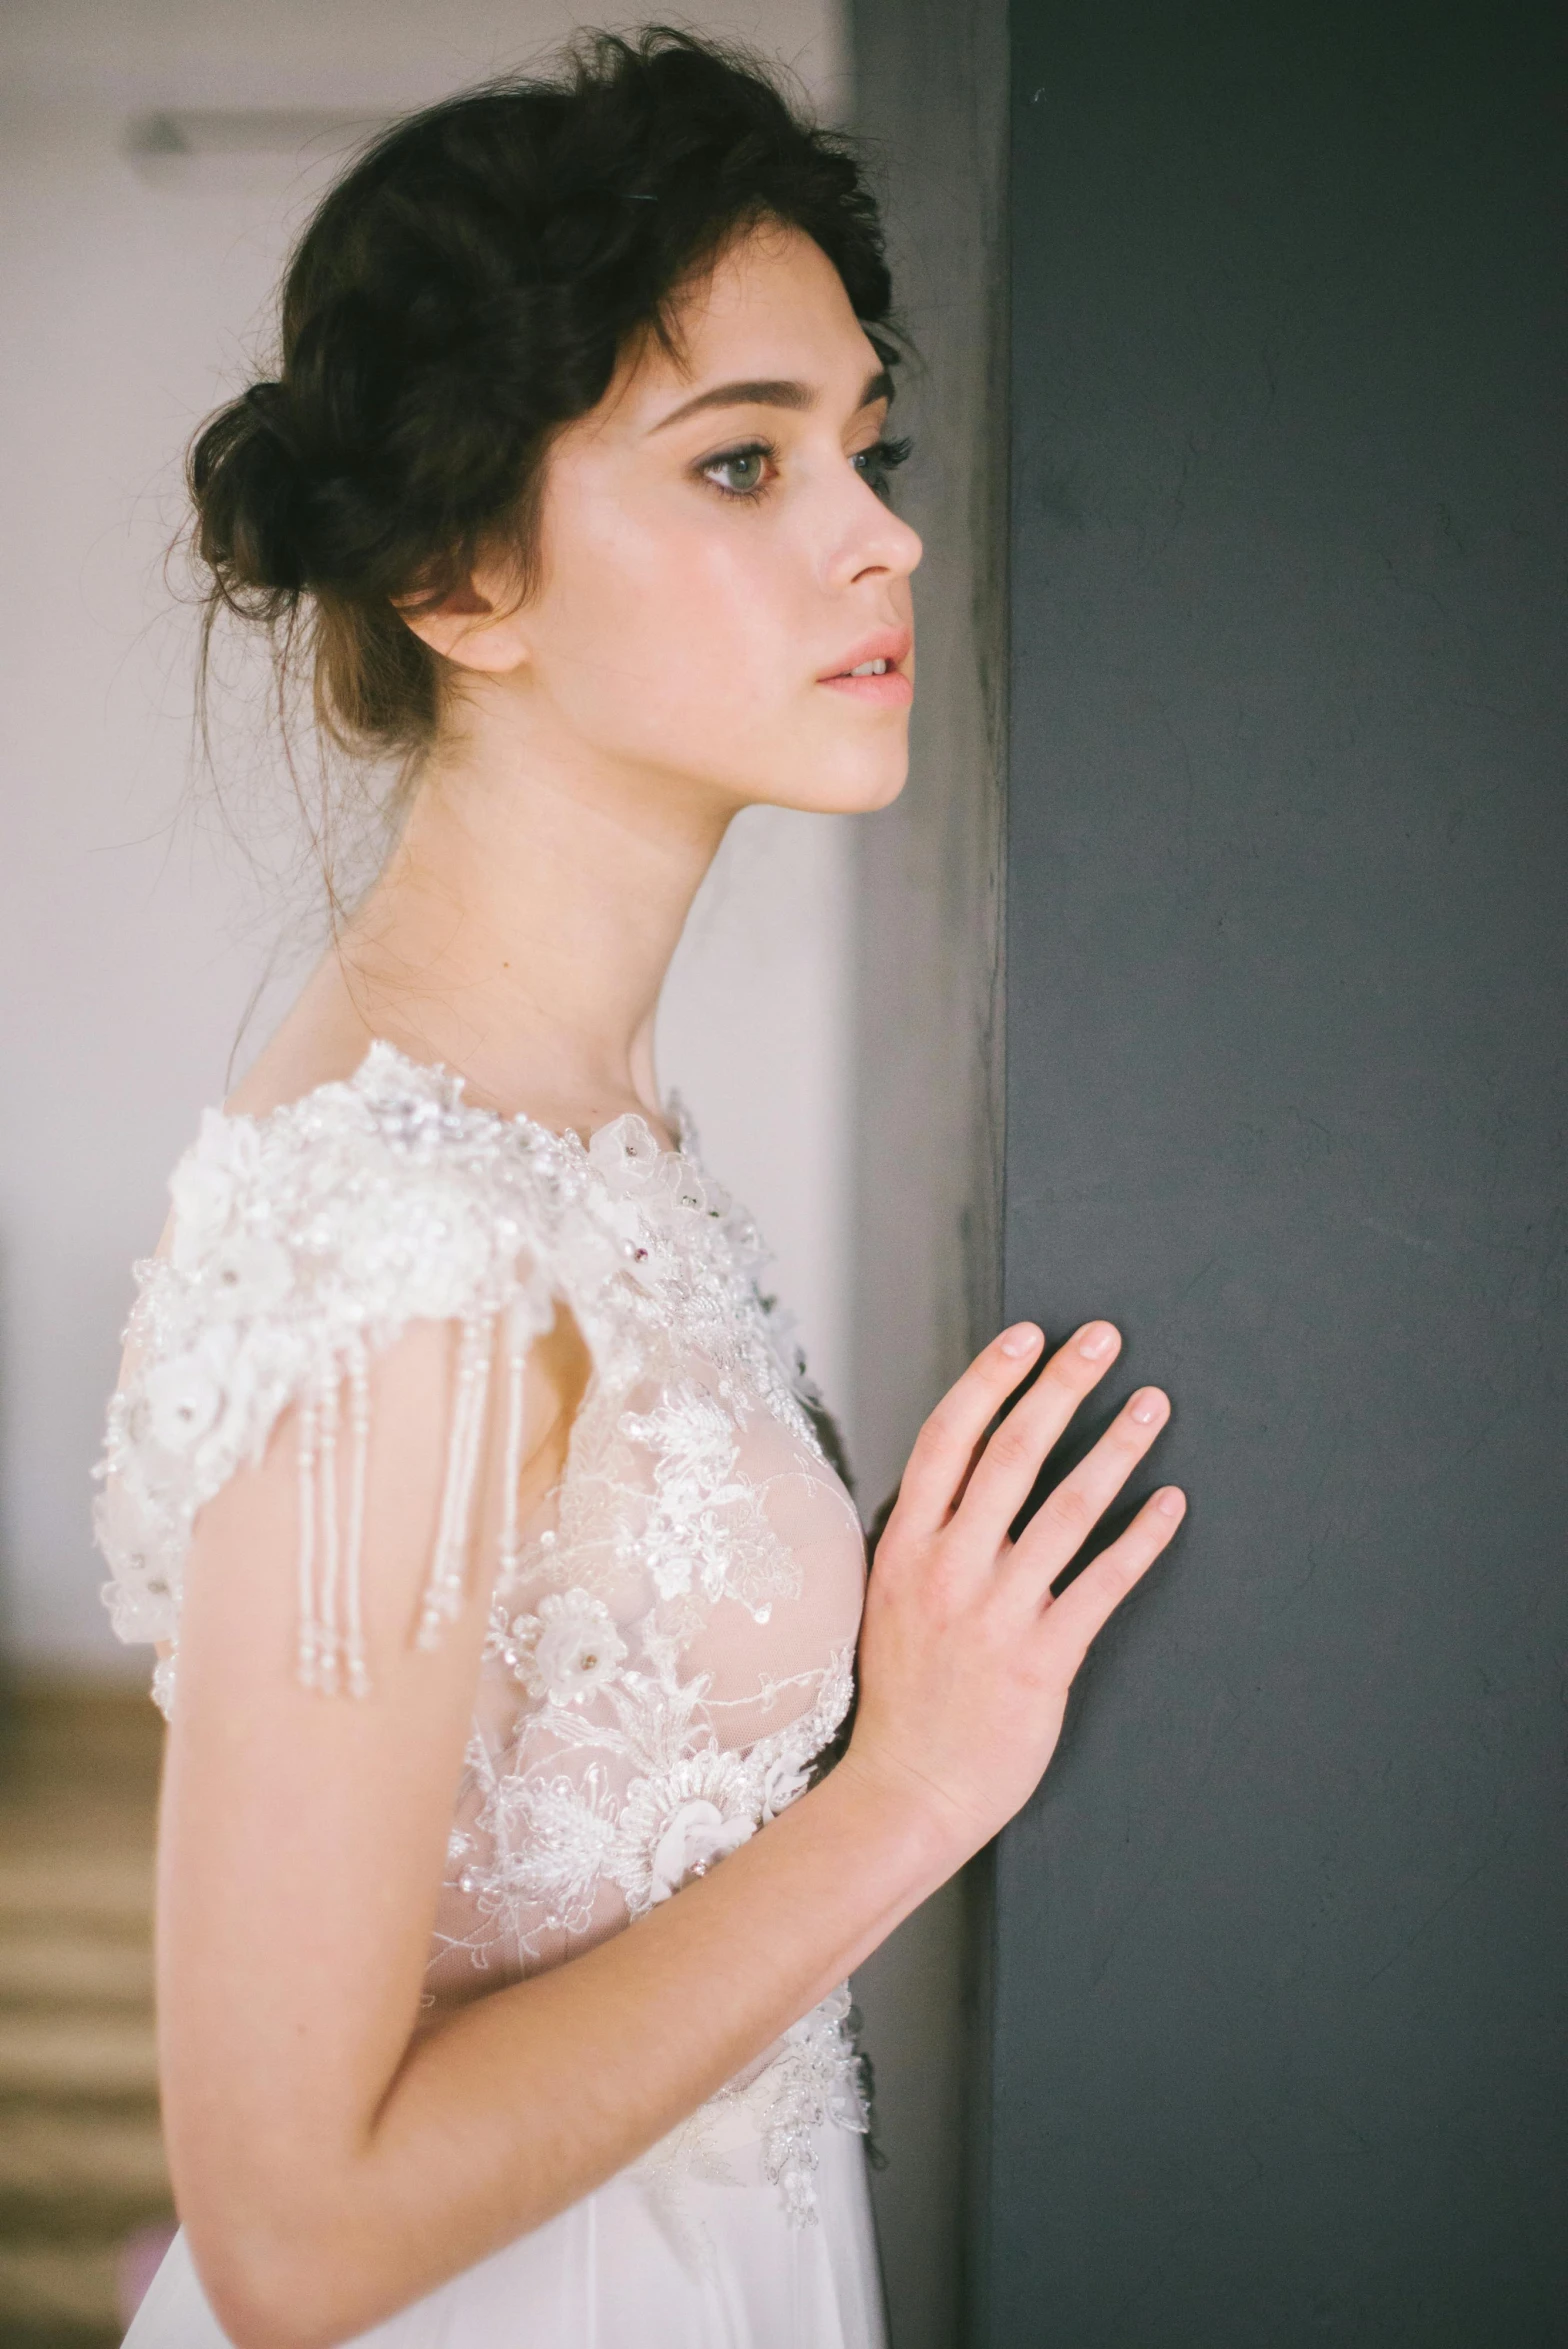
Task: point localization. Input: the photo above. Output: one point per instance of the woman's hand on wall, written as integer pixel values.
(965, 1656)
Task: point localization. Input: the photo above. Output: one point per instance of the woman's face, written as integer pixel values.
(716, 557)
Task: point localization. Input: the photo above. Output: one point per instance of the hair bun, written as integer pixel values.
(247, 484)
(268, 403)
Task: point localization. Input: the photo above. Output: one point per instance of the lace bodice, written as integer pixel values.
(671, 1629)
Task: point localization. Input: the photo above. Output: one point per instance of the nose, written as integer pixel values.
(876, 540)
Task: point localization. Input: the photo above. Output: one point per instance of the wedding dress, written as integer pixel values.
(670, 1642)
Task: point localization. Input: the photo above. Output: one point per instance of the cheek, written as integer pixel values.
(676, 631)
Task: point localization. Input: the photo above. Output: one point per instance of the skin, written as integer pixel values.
(668, 668)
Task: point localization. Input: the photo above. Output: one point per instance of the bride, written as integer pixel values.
(509, 1607)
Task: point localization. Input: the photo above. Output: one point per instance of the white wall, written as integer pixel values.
(131, 933)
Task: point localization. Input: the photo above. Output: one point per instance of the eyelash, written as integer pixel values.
(879, 460)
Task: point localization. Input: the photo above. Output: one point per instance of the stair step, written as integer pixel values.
(107, 1887)
(50, 1731)
(53, 2153)
(59, 2284)
(82, 2175)
(77, 2055)
(48, 1966)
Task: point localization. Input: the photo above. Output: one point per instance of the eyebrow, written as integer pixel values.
(772, 392)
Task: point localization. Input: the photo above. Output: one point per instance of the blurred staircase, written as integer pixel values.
(81, 2163)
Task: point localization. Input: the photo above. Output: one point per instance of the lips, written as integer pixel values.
(889, 646)
(873, 673)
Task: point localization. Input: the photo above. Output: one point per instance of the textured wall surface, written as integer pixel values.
(930, 81)
(1281, 2045)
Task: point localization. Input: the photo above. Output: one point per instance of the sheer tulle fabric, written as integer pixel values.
(671, 1631)
(607, 2275)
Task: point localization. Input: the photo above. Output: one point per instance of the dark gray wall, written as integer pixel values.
(930, 87)
(1280, 2034)
(931, 114)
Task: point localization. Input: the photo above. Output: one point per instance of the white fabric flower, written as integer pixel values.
(677, 1823)
(205, 1186)
(696, 1837)
(634, 1163)
(783, 1779)
(647, 1195)
(125, 1524)
(251, 1275)
(569, 1648)
(141, 1597)
(183, 1402)
(188, 1397)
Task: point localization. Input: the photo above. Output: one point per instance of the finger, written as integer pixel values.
(1065, 1518)
(1073, 1620)
(945, 1446)
(1004, 1474)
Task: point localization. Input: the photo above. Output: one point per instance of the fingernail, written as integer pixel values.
(1147, 1407)
(1171, 1502)
(1022, 1340)
(1097, 1341)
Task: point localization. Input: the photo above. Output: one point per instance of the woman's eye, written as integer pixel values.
(876, 463)
(739, 473)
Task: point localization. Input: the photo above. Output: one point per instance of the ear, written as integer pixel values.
(479, 626)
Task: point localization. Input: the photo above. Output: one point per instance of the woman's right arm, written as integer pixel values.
(331, 2169)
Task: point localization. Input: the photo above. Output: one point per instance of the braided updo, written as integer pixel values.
(464, 291)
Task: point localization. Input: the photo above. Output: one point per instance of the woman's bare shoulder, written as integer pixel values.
(321, 1040)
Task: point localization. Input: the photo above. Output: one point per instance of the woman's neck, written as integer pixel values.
(520, 931)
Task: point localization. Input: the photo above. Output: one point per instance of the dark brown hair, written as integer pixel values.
(464, 291)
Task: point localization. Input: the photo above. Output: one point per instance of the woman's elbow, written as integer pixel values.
(280, 2283)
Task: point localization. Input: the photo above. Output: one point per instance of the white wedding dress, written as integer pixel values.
(671, 1639)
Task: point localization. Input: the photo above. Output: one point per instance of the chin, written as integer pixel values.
(874, 790)
(848, 787)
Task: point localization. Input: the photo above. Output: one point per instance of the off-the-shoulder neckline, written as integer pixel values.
(382, 1052)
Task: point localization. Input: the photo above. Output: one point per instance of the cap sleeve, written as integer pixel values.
(301, 1245)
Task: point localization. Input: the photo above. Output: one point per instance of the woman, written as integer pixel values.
(506, 1904)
